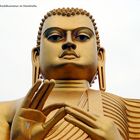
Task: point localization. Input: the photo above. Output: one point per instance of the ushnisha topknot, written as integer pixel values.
(68, 12)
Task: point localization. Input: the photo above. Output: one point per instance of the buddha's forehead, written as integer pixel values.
(68, 23)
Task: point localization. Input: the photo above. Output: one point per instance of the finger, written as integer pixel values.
(39, 94)
(27, 101)
(54, 120)
(93, 116)
(52, 107)
(92, 132)
(45, 96)
(40, 130)
(32, 114)
(82, 117)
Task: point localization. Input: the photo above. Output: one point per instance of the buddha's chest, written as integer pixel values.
(91, 101)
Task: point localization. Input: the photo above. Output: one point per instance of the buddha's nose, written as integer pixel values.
(69, 44)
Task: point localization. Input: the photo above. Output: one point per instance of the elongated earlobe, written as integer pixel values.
(35, 64)
(101, 69)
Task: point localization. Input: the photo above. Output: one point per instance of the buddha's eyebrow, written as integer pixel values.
(84, 29)
(48, 30)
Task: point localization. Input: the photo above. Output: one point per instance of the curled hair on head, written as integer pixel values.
(68, 12)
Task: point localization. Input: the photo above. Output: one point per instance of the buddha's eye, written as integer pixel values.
(55, 37)
(82, 37)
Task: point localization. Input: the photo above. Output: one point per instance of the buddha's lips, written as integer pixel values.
(69, 53)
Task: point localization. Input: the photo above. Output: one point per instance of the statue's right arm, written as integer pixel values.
(29, 122)
(7, 112)
(18, 117)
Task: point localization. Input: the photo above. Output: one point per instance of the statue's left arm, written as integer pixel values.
(133, 117)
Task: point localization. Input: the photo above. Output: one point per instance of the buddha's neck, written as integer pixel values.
(68, 91)
(71, 85)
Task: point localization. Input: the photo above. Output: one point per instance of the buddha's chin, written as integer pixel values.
(70, 71)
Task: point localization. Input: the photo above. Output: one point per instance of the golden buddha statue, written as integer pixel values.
(60, 105)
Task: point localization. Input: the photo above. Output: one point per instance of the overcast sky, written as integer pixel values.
(118, 23)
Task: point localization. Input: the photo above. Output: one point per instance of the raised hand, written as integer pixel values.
(29, 121)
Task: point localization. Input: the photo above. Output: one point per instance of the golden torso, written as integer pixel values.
(124, 112)
(73, 93)
(77, 93)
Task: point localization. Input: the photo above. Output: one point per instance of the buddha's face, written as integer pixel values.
(68, 48)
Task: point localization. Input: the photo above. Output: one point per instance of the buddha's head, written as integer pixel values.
(68, 47)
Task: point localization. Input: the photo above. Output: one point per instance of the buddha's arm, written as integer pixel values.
(133, 117)
(7, 111)
(4, 128)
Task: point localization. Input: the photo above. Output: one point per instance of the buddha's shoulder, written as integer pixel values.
(8, 109)
(104, 94)
(127, 101)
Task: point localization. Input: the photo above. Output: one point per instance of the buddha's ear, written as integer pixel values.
(35, 55)
(35, 64)
(101, 69)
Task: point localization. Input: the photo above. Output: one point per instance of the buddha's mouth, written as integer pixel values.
(69, 55)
